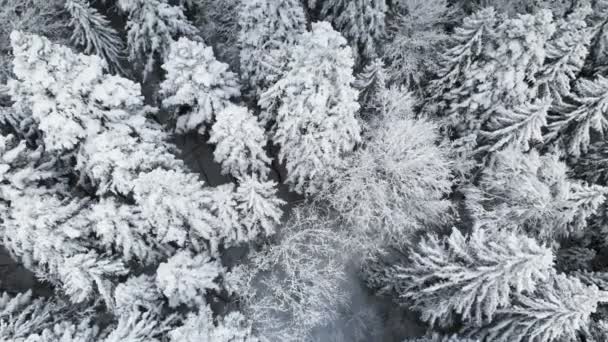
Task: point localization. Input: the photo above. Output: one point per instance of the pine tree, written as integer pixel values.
(197, 84)
(532, 193)
(557, 310)
(93, 32)
(239, 142)
(361, 22)
(572, 128)
(268, 29)
(472, 277)
(593, 165)
(314, 106)
(152, 26)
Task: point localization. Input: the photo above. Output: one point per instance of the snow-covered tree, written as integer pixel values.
(470, 277)
(186, 278)
(239, 142)
(218, 23)
(415, 35)
(313, 107)
(440, 338)
(556, 311)
(566, 52)
(197, 86)
(202, 327)
(93, 32)
(396, 183)
(151, 28)
(361, 22)
(293, 287)
(573, 127)
(34, 16)
(532, 193)
(138, 293)
(267, 31)
(96, 192)
(371, 82)
(494, 97)
(593, 165)
(259, 209)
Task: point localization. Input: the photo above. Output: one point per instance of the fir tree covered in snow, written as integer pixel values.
(196, 86)
(268, 30)
(313, 107)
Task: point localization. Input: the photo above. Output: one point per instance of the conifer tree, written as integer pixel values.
(93, 32)
(268, 30)
(151, 27)
(314, 106)
(532, 193)
(470, 277)
(361, 22)
(197, 86)
(557, 310)
(371, 82)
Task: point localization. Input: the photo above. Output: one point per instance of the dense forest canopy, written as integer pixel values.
(314, 170)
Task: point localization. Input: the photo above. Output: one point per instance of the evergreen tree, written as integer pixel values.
(196, 85)
(314, 106)
(93, 32)
(533, 193)
(557, 310)
(151, 27)
(415, 35)
(202, 327)
(239, 142)
(572, 128)
(268, 30)
(371, 82)
(493, 93)
(470, 277)
(361, 22)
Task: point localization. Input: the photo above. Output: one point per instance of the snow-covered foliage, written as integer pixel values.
(294, 287)
(239, 142)
(532, 193)
(361, 22)
(558, 310)
(94, 33)
(496, 106)
(472, 277)
(196, 85)
(185, 278)
(267, 31)
(152, 27)
(313, 106)
(202, 327)
(415, 33)
(396, 183)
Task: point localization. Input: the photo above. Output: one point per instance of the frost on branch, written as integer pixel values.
(196, 85)
(314, 107)
(186, 278)
(239, 140)
(268, 30)
(470, 277)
